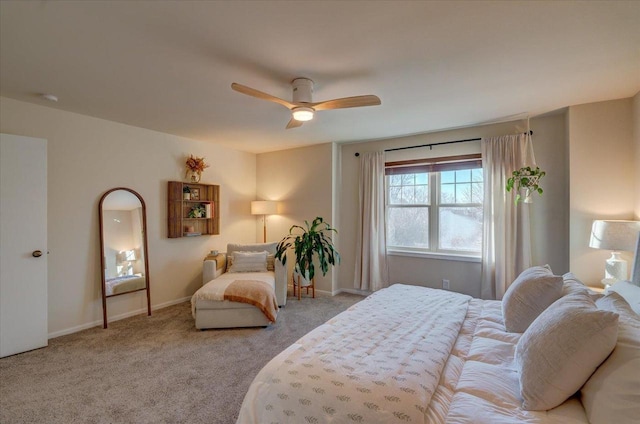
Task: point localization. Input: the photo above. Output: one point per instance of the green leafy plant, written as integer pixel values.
(527, 178)
(197, 211)
(307, 243)
(186, 189)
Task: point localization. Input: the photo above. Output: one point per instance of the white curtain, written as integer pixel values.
(371, 254)
(506, 244)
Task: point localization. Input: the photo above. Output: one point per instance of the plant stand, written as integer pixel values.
(302, 283)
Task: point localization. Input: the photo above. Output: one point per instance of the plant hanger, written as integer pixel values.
(526, 178)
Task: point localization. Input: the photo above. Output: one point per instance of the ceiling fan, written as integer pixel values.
(302, 107)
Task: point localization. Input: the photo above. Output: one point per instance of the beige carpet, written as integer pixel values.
(156, 369)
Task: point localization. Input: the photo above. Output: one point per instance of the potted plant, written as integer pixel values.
(527, 178)
(309, 243)
(197, 211)
(186, 193)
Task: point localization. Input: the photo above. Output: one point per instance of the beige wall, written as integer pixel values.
(636, 143)
(301, 181)
(602, 178)
(550, 212)
(86, 157)
(549, 216)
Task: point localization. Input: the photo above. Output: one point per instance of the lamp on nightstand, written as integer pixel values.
(616, 236)
(264, 208)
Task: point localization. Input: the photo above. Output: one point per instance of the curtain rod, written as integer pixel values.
(430, 146)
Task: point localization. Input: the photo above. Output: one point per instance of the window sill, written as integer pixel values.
(434, 255)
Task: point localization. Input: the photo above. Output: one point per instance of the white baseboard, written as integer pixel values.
(97, 323)
(354, 291)
(336, 292)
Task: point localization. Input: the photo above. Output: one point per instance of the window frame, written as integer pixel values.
(434, 168)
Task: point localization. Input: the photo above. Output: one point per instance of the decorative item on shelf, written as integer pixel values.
(197, 211)
(195, 193)
(307, 243)
(526, 178)
(190, 230)
(617, 236)
(186, 193)
(195, 167)
(264, 208)
(208, 210)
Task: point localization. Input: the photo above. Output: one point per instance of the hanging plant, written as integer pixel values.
(526, 178)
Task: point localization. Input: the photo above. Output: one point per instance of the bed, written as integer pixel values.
(409, 354)
(210, 308)
(124, 284)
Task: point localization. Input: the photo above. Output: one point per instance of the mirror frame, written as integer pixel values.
(102, 257)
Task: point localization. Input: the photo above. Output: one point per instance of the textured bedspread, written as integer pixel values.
(348, 370)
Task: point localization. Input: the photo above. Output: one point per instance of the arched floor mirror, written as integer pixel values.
(123, 245)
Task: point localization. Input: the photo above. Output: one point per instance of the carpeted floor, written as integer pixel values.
(156, 369)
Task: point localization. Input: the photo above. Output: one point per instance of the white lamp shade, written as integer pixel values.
(614, 235)
(264, 207)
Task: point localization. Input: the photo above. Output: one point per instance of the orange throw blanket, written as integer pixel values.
(256, 293)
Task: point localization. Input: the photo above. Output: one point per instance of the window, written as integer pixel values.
(435, 208)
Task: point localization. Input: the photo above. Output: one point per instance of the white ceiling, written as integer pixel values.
(168, 65)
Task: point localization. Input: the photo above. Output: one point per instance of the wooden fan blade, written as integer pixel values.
(294, 123)
(260, 95)
(356, 101)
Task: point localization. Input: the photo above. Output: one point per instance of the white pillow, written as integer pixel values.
(271, 262)
(629, 292)
(249, 262)
(561, 349)
(571, 284)
(531, 293)
(612, 394)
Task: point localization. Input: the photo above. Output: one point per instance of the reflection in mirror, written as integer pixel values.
(123, 245)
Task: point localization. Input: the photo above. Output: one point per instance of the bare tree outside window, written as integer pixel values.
(456, 198)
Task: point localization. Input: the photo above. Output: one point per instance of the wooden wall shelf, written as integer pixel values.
(179, 209)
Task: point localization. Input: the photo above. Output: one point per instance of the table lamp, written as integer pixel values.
(617, 236)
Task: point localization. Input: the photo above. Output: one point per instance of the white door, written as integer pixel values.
(23, 233)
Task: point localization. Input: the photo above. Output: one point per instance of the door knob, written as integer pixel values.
(36, 253)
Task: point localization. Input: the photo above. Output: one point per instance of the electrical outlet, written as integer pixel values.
(445, 284)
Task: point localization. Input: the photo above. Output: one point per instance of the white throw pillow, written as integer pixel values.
(271, 262)
(612, 394)
(531, 293)
(561, 349)
(571, 284)
(249, 262)
(629, 292)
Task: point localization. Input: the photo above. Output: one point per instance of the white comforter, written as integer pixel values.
(349, 370)
(405, 354)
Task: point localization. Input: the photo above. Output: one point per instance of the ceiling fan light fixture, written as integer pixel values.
(302, 113)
